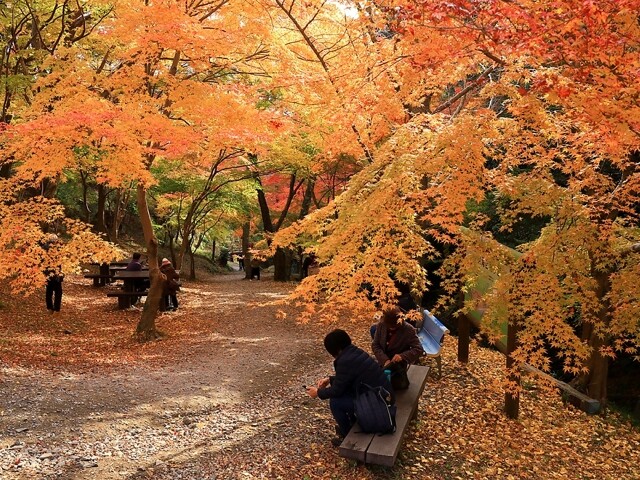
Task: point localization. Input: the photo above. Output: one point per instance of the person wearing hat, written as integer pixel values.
(171, 285)
(396, 346)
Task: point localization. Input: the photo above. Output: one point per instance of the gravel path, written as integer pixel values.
(241, 377)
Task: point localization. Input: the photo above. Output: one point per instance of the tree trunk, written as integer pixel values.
(192, 267)
(117, 216)
(213, 250)
(85, 201)
(245, 250)
(101, 225)
(146, 329)
(48, 188)
(596, 380)
(264, 212)
(307, 199)
(598, 371)
(282, 265)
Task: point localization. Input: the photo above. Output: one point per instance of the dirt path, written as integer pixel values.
(218, 388)
(221, 399)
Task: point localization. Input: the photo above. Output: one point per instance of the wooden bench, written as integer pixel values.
(99, 280)
(431, 334)
(124, 298)
(383, 449)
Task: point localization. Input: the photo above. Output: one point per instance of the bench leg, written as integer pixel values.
(438, 360)
(124, 302)
(96, 282)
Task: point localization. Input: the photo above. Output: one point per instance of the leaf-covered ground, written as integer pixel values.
(221, 398)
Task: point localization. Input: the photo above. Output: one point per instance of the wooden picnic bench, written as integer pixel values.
(431, 334)
(130, 288)
(383, 449)
(99, 280)
(125, 299)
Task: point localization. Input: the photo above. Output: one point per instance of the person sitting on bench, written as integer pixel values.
(352, 366)
(396, 346)
(135, 265)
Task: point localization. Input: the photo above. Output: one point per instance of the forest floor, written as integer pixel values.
(221, 398)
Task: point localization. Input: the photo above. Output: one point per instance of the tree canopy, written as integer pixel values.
(427, 109)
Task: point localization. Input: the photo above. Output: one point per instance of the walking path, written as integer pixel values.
(221, 398)
(209, 392)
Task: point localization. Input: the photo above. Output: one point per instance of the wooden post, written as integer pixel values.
(464, 332)
(511, 401)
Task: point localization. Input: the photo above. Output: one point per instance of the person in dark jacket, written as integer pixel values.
(171, 285)
(395, 341)
(396, 346)
(54, 276)
(140, 284)
(135, 265)
(352, 366)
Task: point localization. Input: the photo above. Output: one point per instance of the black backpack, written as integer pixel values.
(372, 411)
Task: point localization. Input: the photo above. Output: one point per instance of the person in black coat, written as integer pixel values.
(352, 366)
(171, 285)
(53, 275)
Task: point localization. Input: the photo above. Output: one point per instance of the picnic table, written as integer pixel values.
(130, 287)
(103, 277)
(107, 272)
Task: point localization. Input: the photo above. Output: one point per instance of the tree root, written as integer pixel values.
(149, 336)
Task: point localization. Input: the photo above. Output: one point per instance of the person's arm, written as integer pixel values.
(414, 348)
(377, 345)
(340, 382)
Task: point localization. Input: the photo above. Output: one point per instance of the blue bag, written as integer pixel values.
(372, 409)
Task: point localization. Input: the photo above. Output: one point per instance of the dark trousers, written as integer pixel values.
(343, 412)
(53, 295)
(171, 302)
(255, 272)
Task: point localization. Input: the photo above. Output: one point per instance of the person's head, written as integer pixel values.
(336, 341)
(391, 317)
(165, 261)
(136, 256)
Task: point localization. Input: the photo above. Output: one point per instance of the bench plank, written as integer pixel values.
(99, 280)
(128, 294)
(355, 444)
(383, 449)
(431, 335)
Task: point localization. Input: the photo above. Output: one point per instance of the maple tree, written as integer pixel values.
(535, 103)
(434, 106)
(143, 89)
(32, 34)
(192, 207)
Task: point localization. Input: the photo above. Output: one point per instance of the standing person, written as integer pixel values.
(352, 366)
(255, 267)
(307, 261)
(54, 276)
(171, 285)
(396, 346)
(240, 262)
